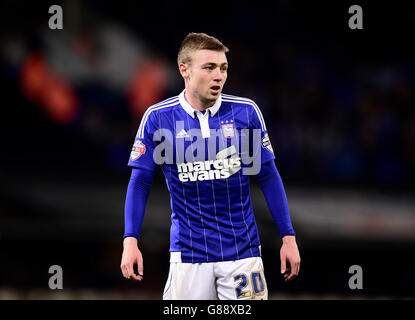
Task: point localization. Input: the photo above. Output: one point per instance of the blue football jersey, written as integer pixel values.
(207, 159)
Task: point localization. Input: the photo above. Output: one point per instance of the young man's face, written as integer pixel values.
(206, 75)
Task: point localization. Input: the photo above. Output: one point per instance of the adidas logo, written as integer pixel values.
(182, 134)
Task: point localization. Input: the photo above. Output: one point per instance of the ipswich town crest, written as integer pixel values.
(228, 130)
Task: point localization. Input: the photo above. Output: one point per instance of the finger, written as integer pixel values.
(287, 273)
(283, 265)
(140, 267)
(298, 268)
(136, 277)
(125, 272)
(133, 274)
(130, 270)
(291, 275)
(123, 269)
(289, 279)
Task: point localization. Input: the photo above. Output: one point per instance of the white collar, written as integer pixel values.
(191, 111)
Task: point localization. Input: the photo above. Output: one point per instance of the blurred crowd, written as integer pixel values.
(332, 117)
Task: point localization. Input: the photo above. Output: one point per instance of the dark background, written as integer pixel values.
(338, 104)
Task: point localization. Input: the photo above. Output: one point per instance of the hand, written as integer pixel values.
(131, 256)
(289, 253)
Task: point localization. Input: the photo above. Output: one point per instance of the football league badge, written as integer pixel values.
(266, 143)
(138, 149)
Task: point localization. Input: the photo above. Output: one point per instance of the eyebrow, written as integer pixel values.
(214, 64)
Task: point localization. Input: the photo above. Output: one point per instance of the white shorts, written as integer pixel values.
(225, 280)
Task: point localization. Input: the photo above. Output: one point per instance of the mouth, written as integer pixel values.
(215, 89)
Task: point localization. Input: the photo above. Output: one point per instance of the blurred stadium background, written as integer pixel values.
(339, 106)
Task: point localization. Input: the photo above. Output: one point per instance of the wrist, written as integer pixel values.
(128, 241)
(288, 239)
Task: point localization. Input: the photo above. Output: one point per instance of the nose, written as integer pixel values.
(218, 75)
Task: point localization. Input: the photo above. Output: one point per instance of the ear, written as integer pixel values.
(184, 70)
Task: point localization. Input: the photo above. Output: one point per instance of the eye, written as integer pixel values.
(208, 67)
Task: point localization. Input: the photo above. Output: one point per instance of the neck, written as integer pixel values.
(196, 102)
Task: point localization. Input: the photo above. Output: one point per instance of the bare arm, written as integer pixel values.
(289, 254)
(273, 189)
(135, 203)
(131, 256)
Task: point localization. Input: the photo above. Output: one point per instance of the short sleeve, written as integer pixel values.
(141, 155)
(261, 142)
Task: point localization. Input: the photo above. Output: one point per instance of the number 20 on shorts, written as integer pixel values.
(255, 282)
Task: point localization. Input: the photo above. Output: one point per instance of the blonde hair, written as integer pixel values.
(198, 41)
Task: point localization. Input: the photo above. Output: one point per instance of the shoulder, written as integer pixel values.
(164, 105)
(148, 119)
(238, 99)
(247, 103)
(155, 109)
(241, 101)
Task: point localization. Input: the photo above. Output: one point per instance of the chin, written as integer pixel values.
(208, 100)
(210, 97)
(214, 96)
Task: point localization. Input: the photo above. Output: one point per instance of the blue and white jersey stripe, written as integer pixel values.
(236, 99)
(166, 103)
(212, 215)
